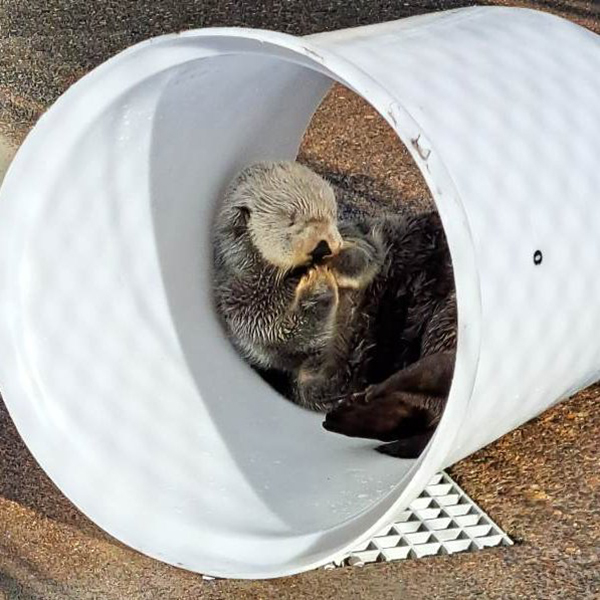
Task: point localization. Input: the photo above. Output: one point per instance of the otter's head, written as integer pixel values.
(290, 213)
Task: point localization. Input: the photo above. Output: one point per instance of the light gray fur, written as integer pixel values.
(267, 209)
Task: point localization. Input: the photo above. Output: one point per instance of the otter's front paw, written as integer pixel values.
(317, 291)
(316, 383)
(357, 264)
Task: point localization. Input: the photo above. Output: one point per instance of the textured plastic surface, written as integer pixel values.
(442, 520)
(114, 368)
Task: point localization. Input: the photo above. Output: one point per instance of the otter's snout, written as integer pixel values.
(320, 240)
(321, 251)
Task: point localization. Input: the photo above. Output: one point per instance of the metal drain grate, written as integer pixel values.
(442, 520)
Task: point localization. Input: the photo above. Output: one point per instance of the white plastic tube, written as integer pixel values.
(114, 367)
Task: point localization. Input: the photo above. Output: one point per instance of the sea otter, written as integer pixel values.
(277, 298)
(351, 310)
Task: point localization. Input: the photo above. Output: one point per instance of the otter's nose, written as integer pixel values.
(321, 251)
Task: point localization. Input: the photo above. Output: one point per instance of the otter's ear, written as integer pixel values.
(245, 213)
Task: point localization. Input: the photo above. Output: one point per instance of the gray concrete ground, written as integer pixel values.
(541, 482)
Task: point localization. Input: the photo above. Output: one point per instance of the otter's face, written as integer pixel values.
(292, 217)
(290, 239)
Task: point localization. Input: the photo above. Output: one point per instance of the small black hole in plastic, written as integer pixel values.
(537, 257)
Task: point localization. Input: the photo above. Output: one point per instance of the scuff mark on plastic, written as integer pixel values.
(391, 113)
(314, 54)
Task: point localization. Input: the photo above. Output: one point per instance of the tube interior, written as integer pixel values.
(209, 468)
(280, 450)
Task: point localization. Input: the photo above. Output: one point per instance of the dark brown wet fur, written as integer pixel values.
(404, 409)
(408, 320)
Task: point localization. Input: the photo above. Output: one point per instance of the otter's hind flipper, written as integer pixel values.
(410, 447)
(405, 408)
(386, 419)
(429, 376)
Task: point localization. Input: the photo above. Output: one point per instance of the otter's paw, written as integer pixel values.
(317, 292)
(410, 447)
(357, 263)
(385, 418)
(314, 368)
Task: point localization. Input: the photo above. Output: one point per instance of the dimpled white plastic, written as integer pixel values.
(114, 367)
